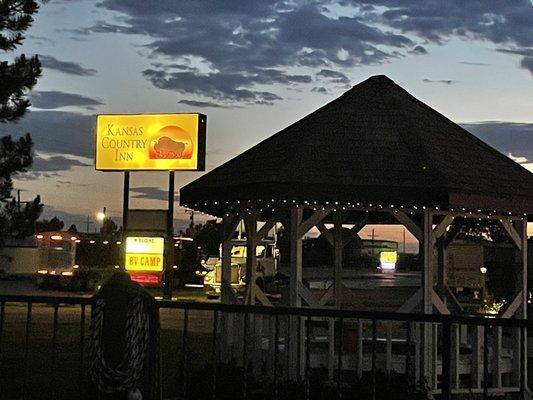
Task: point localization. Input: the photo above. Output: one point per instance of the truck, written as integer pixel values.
(67, 261)
(267, 267)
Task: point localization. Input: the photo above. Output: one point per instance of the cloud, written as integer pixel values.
(251, 46)
(244, 47)
(152, 193)
(527, 63)
(511, 138)
(320, 89)
(62, 132)
(228, 87)
(49, 100)
(49, 166)
(56, 163)
(444, 81)
(419, 50)
(334, 77)
(205, 104)
(479, 64)
(66, 67)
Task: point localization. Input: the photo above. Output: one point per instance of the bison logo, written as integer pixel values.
(171, 142)
(168, 148)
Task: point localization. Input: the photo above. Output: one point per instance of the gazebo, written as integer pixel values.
(375, 155)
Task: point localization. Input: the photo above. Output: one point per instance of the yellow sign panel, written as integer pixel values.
(150, 142)
(144, 254)
(388, 257)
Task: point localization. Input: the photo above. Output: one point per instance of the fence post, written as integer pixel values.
(446, 360)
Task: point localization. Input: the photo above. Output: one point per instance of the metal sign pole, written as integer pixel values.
(169, 279)
(125, 202)
(125, 209)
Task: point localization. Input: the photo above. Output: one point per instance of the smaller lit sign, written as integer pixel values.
(144, 254)
(388, 260)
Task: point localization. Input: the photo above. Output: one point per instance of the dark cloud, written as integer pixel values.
(50, 167)
(508, 137)
(67, 67)
(479, 64)
(444, 81)
(228, 87)
(334, 77)
(152, 193)
(56, 131)
(527, 63)
(520, 51)
(49, 100)
(205, 104)
(56, 163)
(245, 45)
(252, 44)
(40, 39)
(320, 89)
(419, 50)
(500, 22)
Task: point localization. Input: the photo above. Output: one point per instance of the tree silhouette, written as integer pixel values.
(17, 77)
(108, 227)
(22, 219)
(55, 224)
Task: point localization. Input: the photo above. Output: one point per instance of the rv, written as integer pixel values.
(267, 267)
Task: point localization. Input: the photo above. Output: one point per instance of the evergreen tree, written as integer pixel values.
(55, 224)
(17, 77)
(108, 227)
(23, 217)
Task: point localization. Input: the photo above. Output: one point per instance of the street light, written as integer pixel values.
(101, 215)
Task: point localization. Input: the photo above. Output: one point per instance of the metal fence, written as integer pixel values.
(218, 351)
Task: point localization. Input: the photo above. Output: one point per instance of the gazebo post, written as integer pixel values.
(520, 349)
(524, 278)
(296, 256)
(229, 224)
(338, 247)
(250, 223)
(295, 282)
(427, 291)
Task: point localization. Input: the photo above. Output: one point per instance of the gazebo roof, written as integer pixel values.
(374, 144)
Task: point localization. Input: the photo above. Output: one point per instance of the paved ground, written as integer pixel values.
(28, 287)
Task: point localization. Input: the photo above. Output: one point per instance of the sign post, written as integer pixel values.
(151, 142)
(169, 265)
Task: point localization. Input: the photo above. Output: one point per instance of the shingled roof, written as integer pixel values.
(374, 144)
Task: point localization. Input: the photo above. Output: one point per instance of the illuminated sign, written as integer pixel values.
(150, 142)
(388, 260)
(388, 256)
(144, 254)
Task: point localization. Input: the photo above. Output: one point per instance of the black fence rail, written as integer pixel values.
(219, 351)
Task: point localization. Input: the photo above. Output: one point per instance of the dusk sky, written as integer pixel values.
(255, 67)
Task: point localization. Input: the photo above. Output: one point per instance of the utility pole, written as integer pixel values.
(373, 236)
(88, 222)
(404, 240)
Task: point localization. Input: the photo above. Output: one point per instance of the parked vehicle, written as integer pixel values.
(267, 256)
(62, 261)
